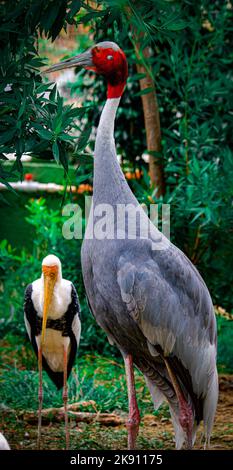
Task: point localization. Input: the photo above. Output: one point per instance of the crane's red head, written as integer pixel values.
(105, 58)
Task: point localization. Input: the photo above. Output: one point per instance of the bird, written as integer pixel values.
(52, 320)
(143, 291)
(3, 443)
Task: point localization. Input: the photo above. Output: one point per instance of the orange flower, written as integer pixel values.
(138, 174)
(133, 175)
(84, 188)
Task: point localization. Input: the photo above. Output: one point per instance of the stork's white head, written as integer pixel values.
(51, 275)
(53, 264)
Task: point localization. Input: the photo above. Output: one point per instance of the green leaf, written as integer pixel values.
(75, 7)
(53, 93)
(47, 135)
(22, 108)
(83, 159)
(55, 149)
(58, 23)
(50, 16)
(42, 88)
(6, 136)
(145, 91)
(136, 76)
(83, 139)
(67, 137)
(63, 159)
(177, 26)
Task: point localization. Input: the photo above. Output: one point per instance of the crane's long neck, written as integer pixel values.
(110, 185)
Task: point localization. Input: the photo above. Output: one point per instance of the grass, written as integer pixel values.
(96, 378)
(93, 377)
(84, 436)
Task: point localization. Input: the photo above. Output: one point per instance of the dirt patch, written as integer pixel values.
(156, 432)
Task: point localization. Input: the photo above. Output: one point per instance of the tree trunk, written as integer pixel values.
(152, 123)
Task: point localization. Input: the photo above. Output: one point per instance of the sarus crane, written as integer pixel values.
(143, 291)
(52, 320)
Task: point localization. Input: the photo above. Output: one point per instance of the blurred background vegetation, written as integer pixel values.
(183, 50)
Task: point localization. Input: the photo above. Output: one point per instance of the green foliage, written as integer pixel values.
(191, 53)
(19, 268)
(225, 345)
(195, 94)
(94, 378)
(33, 118)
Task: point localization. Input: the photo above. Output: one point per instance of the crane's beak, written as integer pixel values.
(50, 278)
(80, 60)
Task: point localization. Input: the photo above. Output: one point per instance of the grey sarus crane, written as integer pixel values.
(52, 320)
(143, 291)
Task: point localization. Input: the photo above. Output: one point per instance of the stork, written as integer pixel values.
(143, 291)
(51, 315)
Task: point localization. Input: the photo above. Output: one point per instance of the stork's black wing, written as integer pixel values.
(30, 317)
(73, 327)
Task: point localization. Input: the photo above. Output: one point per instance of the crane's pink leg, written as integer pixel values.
(40, 395)
(134, 416)
(65, 399)
(185, 410)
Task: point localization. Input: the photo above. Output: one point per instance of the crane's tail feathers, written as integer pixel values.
(209, 408)
(157, 396)
(179, 432)
(180, 435)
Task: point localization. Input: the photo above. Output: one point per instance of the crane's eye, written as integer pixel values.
(109, 57)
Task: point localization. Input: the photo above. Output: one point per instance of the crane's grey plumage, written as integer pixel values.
(151, 303)
(142, 290)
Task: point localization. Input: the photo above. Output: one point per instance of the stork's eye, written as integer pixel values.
(109, 57)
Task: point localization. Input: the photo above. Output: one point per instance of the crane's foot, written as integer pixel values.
(185, 410)
(133, 428)
(186, 421)
(134, 416)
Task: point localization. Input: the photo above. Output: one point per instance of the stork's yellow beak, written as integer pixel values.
(50, 278)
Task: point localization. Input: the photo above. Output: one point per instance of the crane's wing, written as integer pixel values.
(166, 296)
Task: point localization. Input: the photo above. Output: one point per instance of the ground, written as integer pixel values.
(155, 431)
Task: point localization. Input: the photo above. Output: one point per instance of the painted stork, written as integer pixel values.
(52, 320)
(143, 291)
